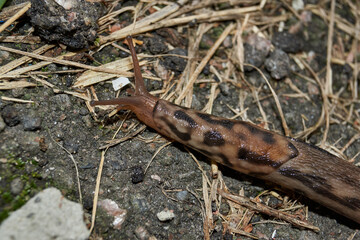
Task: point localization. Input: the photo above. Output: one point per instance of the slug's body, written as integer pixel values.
(249, 149)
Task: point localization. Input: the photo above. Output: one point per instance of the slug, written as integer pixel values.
(249, 149)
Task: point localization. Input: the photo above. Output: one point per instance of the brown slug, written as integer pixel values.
(249, 149)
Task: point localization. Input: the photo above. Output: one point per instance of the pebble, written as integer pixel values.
(112, 209)
(278, 64)
(16, 186)
(253, 56)
(87, 120)
(63, 100)
(48, 215)
(224, 89)
(10, 116)
(165, 215)
(290, 43)
(31, 122)
(17, 92)
(137, 174)
(156, 45)
(2, 124)
(141, 233)
(174, 63)
(182, 195)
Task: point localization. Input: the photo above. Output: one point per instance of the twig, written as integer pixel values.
(97, 188)
(75, 164)
(157, 151)
(16, 100)
(262, 208)
(277, 102)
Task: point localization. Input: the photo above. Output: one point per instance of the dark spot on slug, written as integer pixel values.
(223, 122)
(181, 135)
(181, 115)
(252, 129)
(256, 158)
(268, 138)
(241, 136)
(213, 138)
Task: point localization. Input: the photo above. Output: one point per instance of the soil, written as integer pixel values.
(32, 160)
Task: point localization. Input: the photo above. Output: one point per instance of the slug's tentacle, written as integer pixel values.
(142, 103)
(249, 149)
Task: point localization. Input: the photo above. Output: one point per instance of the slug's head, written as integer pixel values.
(142, 103)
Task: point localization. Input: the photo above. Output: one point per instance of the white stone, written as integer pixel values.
(165, 215)
(48, 215)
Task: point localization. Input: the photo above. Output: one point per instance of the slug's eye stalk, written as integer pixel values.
(140, 88)
(142, 102)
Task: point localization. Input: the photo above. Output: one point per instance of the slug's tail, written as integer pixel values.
(142, 103)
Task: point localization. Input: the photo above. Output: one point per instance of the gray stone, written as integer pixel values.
(31, 122)
(48, 215)
(278, 64)
(2, 124)
(182, 195)
(16, 186)
(10, 116)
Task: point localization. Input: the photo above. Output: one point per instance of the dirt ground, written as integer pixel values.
(54, 126)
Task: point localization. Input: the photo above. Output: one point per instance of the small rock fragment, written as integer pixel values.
(256, 49)
(288, 42)
(182, 195)
(16, 186)
(10, 116)
(2, 124)
(31, 122)
(113, 209)
(156, 45)
(141, 233)
(165, 215)
(137, 174)
(278, 64)
(176, 64)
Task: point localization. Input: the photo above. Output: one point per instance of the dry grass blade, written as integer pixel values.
(19, 61)
(97, 189)
(329, 75)
(213, 16)
(20, 39)
(203, 62)
(90, 77)
(16, 84)
(16, 100)
(117, 141)
(14, 17)
(68, 63)
(277, 102)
